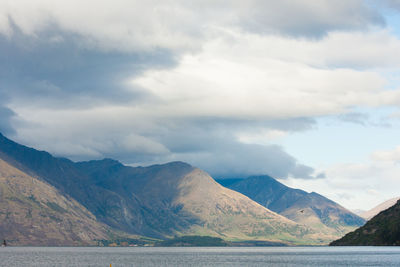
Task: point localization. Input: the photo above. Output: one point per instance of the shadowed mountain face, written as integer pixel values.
(311, 209)
(105, 188)
(381, 230)
(137, 200)
(176, 198)
(33, 212)
(158, 201)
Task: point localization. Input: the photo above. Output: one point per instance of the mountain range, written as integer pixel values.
(87, 201)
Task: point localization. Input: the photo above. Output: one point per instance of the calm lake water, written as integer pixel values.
(210, 256)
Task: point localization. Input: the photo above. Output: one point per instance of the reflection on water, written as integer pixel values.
(226, 256)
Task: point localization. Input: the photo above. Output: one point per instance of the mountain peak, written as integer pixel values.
(105, 161)
(175, 164)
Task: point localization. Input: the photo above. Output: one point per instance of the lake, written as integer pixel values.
(204, 256)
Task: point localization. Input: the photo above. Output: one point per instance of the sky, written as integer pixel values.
(305, 91)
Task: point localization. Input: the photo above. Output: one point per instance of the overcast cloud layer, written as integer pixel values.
(219, 84)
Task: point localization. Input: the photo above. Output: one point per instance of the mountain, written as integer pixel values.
(383, 206)
(158, 201)
(311, 209)
(33, 212)
(381, 230)
(176, 198)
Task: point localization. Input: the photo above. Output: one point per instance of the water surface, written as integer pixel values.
(210, 256)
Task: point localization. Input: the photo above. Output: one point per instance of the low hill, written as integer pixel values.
(311, 209)
(381, 230)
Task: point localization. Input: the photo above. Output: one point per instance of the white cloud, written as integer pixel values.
(241, 77)
(357, 185)
(387, 156)
(261, 136)
(134, 143)
(180, 24)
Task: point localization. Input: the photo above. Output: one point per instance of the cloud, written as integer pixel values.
(355, 185)
(234, 159)
(306, 18)
(138, 139)
(243, 80)
(387, 155)
(355, 117)
(214, 83)
(180, 24)
(358, 185)
(6, 116)
(53, 69)
(395, 4)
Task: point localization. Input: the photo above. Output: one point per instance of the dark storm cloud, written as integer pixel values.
(56, 69)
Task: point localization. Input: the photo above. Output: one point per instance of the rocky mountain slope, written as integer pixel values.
(33, 212)
(163, 201)
(157, 201)
(181, 199)
(383, 206)
(311, 209)
(381, 230)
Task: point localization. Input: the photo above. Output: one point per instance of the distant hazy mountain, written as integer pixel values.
(33, 212)
(311, 209)
(157, 201)
(358, 212)
(383, 206)
(381, 230)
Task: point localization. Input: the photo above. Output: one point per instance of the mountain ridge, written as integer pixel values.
(159, 201)
(163, 200)
(310, 209)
